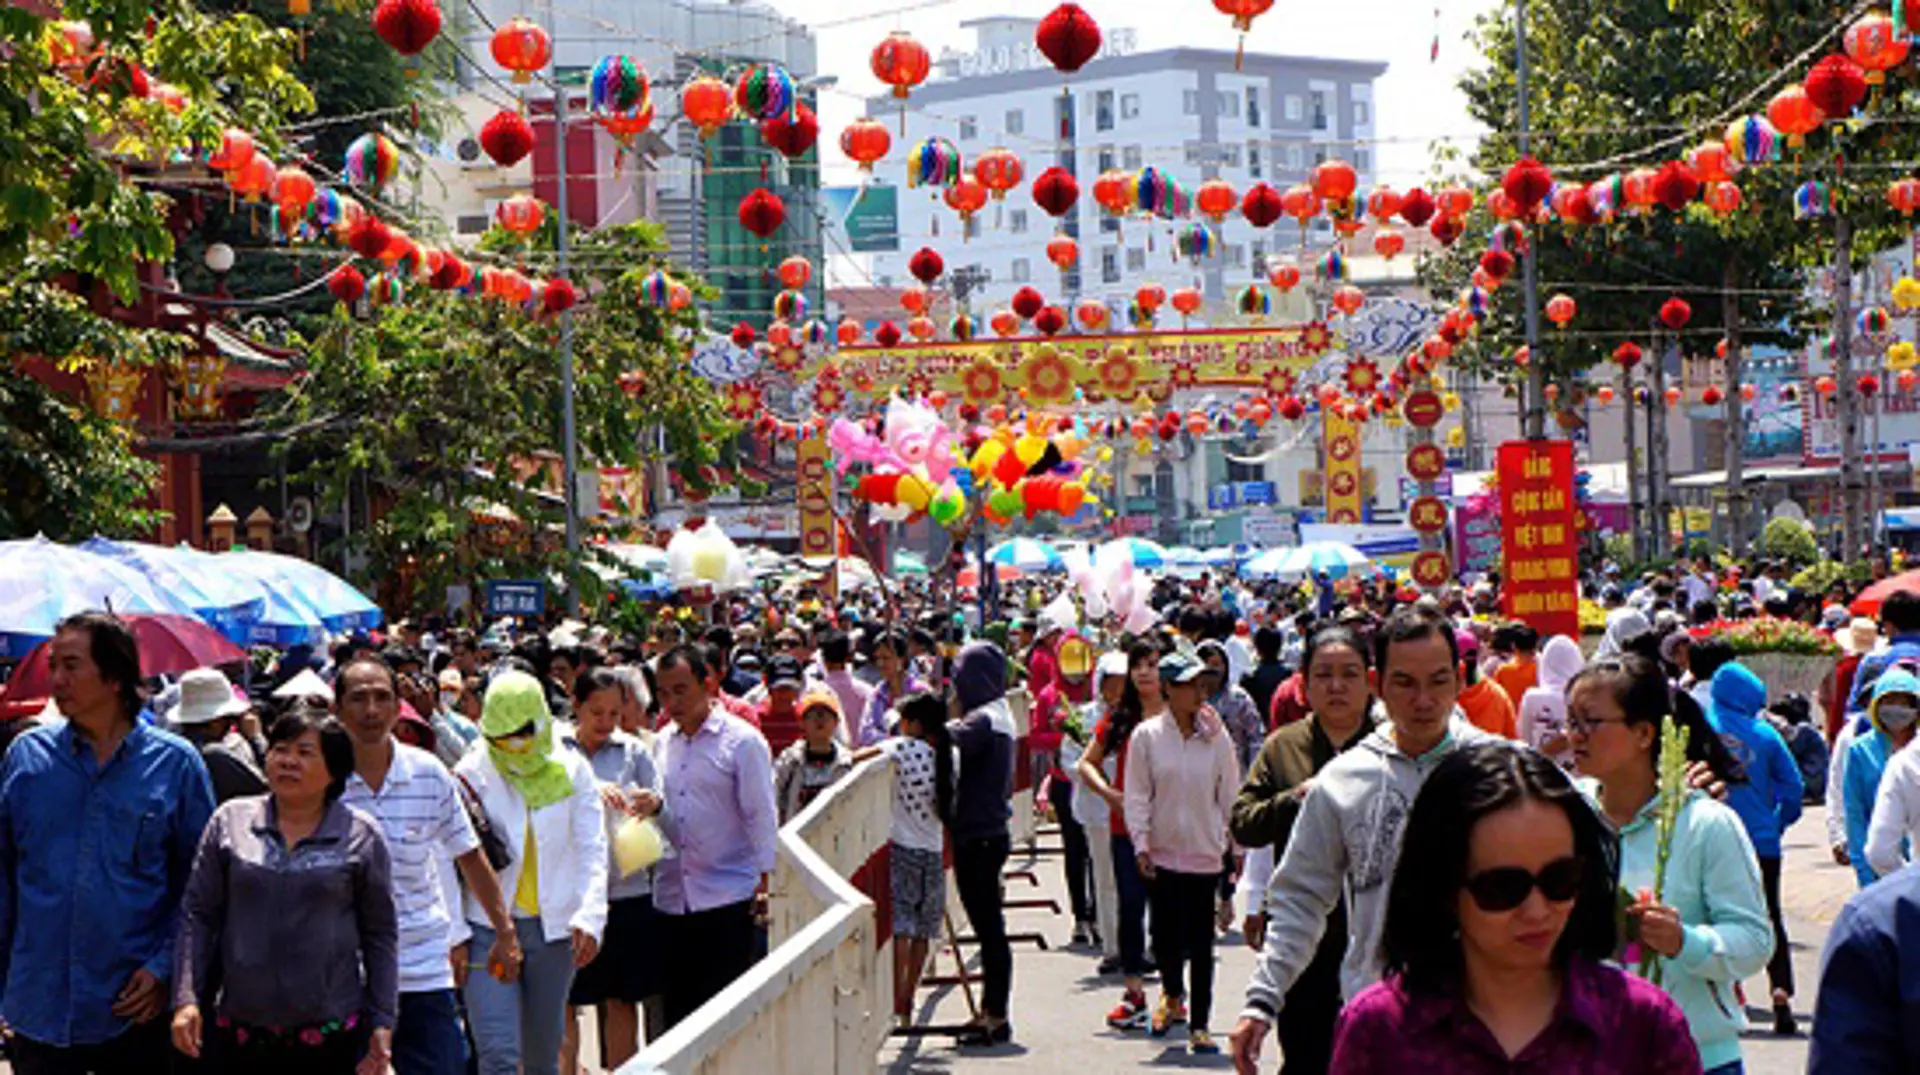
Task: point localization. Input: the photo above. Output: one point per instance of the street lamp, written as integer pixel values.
(219, 259)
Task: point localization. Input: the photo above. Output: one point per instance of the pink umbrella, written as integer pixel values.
(168, 644)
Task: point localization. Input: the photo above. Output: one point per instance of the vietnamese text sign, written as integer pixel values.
(1538, 535)
(516, 597)
(869, 216)
(1343, 468)
(813, 492)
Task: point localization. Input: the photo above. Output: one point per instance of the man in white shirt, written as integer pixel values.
(1699, 584)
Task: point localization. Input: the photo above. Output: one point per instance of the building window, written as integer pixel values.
(1246, 472)
(969, 128)
(1109, 224)
(972, 229)
(1259, 255)
(1230, 155)
(1227, 104)
(1296, 108)
(1063, 124)
(1190, 102)
(1130, 158)
(1109, 265)
(1293, 157)
(1318, 101)
(1129, 106)
(1253, 159)
(1362, 112)
(473, 224)
(1253, 106)
(1017, 221)
(1362, 160)
(1319, 155)
(1136, 259)
(1016, 121)
(1022, 272)
(1236, 255)
(1103, 110)
(1105, 158)
(1195, 153)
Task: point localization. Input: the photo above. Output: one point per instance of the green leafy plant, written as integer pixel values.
(1770, 634)
(1790, 540)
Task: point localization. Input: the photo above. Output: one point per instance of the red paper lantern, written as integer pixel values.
(1793, 113)
(865, 141)
(1150, 297)
(1747, 392)
(1826, 386)
(1055, 191)
(1674, 185)
(1417, 207)
(1904, 195)
(1215, 199)
(762, 212)
(1446, 229)
(1261, 205)
(926, 265)
(293, 191)
(1186, 300)
(1711, 162)
(1050, 320)
(1292, 409)
(1348, 299)
(1502, 205)
(1906, 379)
(1068, 37)
(1300, 203)
(253, 181)
(1092, 315)
(707, 103)
(916, 300)
(1383, 204)
(966, 197)
(521, 47)
(1063, 251)
(347, 284)
(791, 135)
(1867, 385)
(1527, 182)
(1723, 197)
(1627, 355)
(1455, 202)
(1026, 303)
(1675, 313)
(887, 334)
(367, 236)
(507, 138)
(559, 296)
(1672, 396)
(922, 328)
(1005, 323)
(1561, 309)
(521, 214)
(1110, 191)
(1876, 44)
(1388, 243)
(1712, 396)
(901, 62)
(742, 335)
(409, 26)
(1334, 180)
(1497, 264)
(1836, 85)
(849, 332)
(999, 170)
(1284, 276)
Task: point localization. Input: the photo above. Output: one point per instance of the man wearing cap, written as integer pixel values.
(810, 764)
(205, 717)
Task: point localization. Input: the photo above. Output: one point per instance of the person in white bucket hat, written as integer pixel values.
(207, 717)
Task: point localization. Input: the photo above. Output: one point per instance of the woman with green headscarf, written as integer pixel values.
(545, 806)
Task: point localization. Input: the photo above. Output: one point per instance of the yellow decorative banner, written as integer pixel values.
(1342, 445)
(1105, 367)
(813, 493)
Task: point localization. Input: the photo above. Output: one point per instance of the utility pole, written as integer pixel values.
(1633, 483)
(568, 447)
(1736, 431)
(1851, 485)
(1534, 406)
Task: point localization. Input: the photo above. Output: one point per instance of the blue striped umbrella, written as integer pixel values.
(1025, 554)
(296, 586)
(43, 582)
(226, 600)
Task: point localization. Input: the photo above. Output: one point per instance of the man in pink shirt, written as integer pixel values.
(1181, 781)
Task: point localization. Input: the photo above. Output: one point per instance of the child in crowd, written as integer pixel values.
(814, 761)
(922, 806)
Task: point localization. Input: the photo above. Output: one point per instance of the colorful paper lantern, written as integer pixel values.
(934, 162)
(865, 141)
(764, 91)
(522, 47)
(371, 162)
(1751, 140)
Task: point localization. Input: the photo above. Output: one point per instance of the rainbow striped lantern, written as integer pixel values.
(1607, 195)
(1510, 236)
(766, 91)
(1195, 241)
(386, 289)
(1873, 321)
(1140, 317)
(371, 162)
(656, 288)
(790, 306)
(327, 208)
(1153, 192)
(1179, 200)
(814, 332)
(1333, 266)
(961, 328)
(1812, 200)
(1752, 140)
(933, 163)
(1255, 302)
(1477, 303)
(617, 84)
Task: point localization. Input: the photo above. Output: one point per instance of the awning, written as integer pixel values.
(1755, 475)
(248, 367)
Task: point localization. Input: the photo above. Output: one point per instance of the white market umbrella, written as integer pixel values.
(1335, 558)
(1025, 554)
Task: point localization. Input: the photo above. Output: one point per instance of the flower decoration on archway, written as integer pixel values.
(788, 359)
(861, 379)
(1279, 382)
(1362, 376)
(828, 397)
(1183, 374)
(980, 383)
(1048, 376)
(1118, 374)
(743, 400)
(919, 385)
(1315, 338)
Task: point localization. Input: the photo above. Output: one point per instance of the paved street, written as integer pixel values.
(1059, 1003)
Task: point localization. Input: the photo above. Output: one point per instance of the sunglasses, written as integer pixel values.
(1507, 887)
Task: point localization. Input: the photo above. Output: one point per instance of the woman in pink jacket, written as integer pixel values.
(1181, 782)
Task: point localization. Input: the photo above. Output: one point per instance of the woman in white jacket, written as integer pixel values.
(1543, 708)
(545, 806)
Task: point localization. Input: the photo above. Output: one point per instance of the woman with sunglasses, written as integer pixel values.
(1498, 924)
(545, 804)
(1709, 927)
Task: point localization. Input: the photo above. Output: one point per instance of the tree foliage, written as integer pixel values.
(1790, 540)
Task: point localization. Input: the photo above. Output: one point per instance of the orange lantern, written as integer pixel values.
(1723, 197)
(1502, 205)
(921, 328)
(1284, 276)
(1561, 309)
(1825, 385)
(1904, 195)
(966, 197)
(999, 170)
(254, 179)
(1388, 243)
(1876, 44)
(1301, 203)
(236, 149)
(1150, 297)
(1005, 323)
(1348, 299)
(1329, 395)
(1793, 114)
(1383, 204)
(1712, 163)
(915, 300)
(708, 105)
(1334, 180)
(1747, 392)
(1672, 396)
(865, 141)
(1063, 251)
(1110, 191)
(1215, 199)
(521, 214)
(795, 272)
(1604, 394)
(1454, 202)
(1092, 314)
(521, 47)
(849, 332)
(293, 191)
(901, 62)
(1637, 187)
(1905, 379)
(1186, 300)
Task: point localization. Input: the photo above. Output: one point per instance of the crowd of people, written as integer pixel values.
(1448, 839)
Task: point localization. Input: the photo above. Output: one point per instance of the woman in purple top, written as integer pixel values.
(892, 660)
(1500, 915)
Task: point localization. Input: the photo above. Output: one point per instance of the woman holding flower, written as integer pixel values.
(1697, 917)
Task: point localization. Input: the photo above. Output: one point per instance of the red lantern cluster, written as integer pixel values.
(1261, 205)
(926, 265)
(1055, 191)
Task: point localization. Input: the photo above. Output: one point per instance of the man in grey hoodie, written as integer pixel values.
(1347, 837)
(984, 734)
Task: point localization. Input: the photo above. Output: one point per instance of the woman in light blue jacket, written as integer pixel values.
(1708, 930)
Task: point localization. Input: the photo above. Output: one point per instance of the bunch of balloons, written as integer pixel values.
(912, 461)
(1029, 468)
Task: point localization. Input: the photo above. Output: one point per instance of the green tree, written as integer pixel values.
(1790, 540)
(442, 403)
(86, 169)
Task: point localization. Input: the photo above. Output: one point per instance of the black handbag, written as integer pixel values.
(492, 844)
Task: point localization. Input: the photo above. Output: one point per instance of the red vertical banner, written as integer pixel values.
(1539, 557)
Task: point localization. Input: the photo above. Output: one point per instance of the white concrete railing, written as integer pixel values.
(822, 999)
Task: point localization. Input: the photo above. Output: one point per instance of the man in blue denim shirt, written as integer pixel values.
(1867, 1017)
(99, 819)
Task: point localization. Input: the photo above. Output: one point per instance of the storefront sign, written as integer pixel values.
(1257, 493)
(1538, 535)
(1342, 468)
(516, 597)
(813, 491)
(1410, 487)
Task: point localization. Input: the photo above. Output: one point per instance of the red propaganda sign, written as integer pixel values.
(1430, 569)
(1428, 515)
(1538, 535)
(1426, 462)
(1423, 409)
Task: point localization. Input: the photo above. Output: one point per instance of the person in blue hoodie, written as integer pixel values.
(1885, 732)
(1767, 802)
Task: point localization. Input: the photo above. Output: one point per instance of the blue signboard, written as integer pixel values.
(516, 597)
(1257, 493)
(1222, 497)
